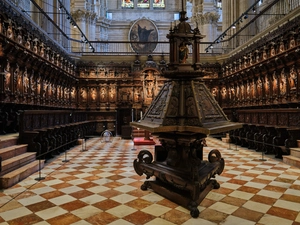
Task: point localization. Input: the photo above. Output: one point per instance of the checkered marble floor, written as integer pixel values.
(100, 186)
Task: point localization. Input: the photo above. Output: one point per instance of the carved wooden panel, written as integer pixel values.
(263, 118)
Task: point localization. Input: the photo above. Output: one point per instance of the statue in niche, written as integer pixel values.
(25, 82)
(66, 93)
(248, 90)
(111, 73)
(223, 93)
(9, 31)
(173, 108)
(7, 77)
(237, 92)
(17, 79)
(183, 53)
(275, 83)
(264, 55)
(281, 46)
(1, 26)
(38, 85)
(59, 91)
(48, 54)
(137, 95)
(73, 93)
(28, 44)
(42, 50)
(92, 73)
(83, 94)
(190, 107)
(53, 89)
(293, 78)
(257, 56)
(242, 91)
(150, 89)
(282, 84)
(214, 92)
(245, 62)
(112, 93)
(267, 86)
(93, 94)
(150, 75)
(259, 87)
(232, 92)
(49, 90)
(103, 94)
(20, 37)
(81, 73)
(45, 85)
(292, 42)
(35, 48)
(102, 72)
(253, 89)
(272, 51)
(250, 59)
(32, 84)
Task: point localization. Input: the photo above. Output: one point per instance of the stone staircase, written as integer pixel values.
(294, 158)
(16, 162)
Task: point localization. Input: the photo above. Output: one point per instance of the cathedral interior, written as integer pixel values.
(74, 72)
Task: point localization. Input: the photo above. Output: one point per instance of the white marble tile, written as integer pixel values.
(287, 205)
(62, 199)
(121, 211)
(120, 222)
(152, 197)
(215, 196)
(156, 210)
(92, 199)
(71, 189)
(51, 212)
(223, 207)
(233, 220)
(257, 206)
(125, 188)
(86, 212)
(198, 221)
(255, 185)
(241, 195)
(269, 219)
(15, 213)
(266, 177)
(123, 198)
(231, 186)
(280, 184)
(98, 189)
(159, 221)
(31, 200)
(271, 194)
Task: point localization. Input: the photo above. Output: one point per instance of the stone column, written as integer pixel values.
(80, 19)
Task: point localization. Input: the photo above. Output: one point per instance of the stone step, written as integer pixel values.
(295, 152)
(8, 140)
(12, 151)
(19, 174)
(291, 160)
(14, 163)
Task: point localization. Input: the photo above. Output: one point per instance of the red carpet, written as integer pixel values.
(142, 141)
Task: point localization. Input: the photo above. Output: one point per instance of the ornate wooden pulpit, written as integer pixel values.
(182, 115)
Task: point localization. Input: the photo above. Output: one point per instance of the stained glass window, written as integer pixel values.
(158, 3)
(143, 4)
(127, 4)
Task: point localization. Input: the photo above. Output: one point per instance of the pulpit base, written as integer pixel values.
(181, 197)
